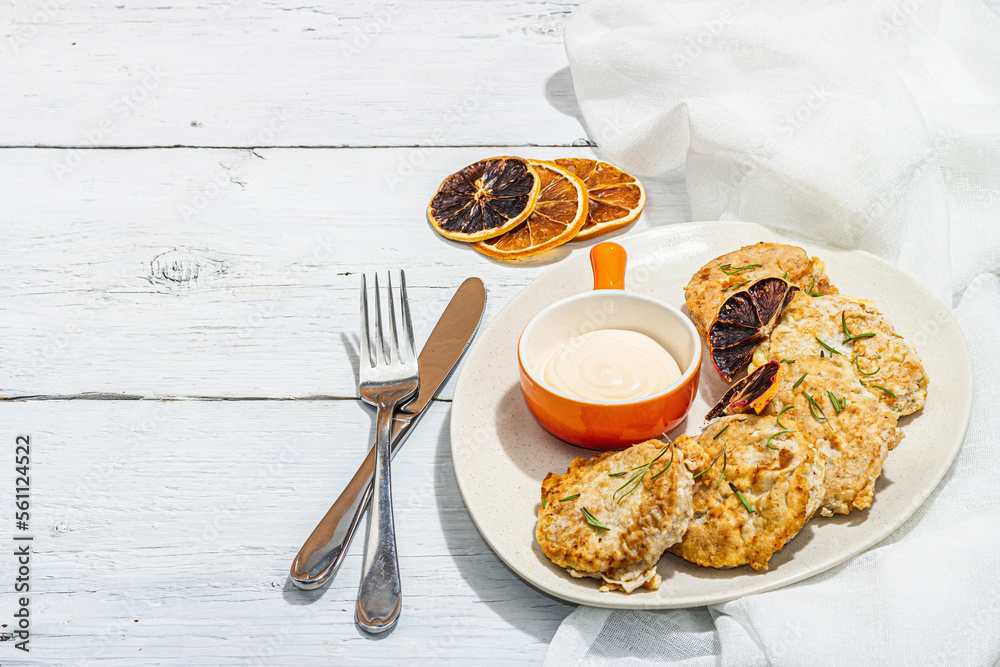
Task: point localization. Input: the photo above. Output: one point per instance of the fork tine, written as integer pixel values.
(407, 324)
(365, 351)
(394, 347)
(381, 357)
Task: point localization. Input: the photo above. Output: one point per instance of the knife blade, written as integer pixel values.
(323, 552)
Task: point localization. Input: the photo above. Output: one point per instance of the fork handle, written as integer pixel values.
(323, 552)
(380, 593)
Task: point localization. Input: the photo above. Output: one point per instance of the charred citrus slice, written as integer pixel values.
(484, 200)
(616, 199)
(753, 392)
(744, 321)
(559, 213)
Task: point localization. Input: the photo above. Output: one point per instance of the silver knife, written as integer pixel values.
(323, 552)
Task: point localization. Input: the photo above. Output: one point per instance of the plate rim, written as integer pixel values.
(625, 602)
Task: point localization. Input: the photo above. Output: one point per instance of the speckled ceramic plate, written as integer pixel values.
(501, 454)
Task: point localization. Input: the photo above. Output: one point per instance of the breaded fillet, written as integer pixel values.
(854, 441)
(783, 486)
(704, 293)
(640, 525)
(883, 360)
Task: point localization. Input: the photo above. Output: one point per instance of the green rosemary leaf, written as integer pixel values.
(729, 269)
(545, 502)
(785, 277)
(799, 381)
(721, 432)
(729, 289)
(779, 433)
(814, 406)
(591, 519)
(843, 323)
(863, 373)
(725, 459)
(618, 474)
(837, 405)
(699, 474)
(829, 349)
(573, 497)
(746, 503)
(669, 463)
(809, 290)
(788, 361)
(634, 481)
(888, 391)
(777, 419)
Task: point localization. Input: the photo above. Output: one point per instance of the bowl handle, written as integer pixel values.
(608, 262)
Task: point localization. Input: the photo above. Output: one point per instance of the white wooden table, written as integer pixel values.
(189, 194)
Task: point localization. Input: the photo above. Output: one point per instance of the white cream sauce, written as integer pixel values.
(610, 365)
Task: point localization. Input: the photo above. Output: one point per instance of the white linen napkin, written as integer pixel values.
(874, 124)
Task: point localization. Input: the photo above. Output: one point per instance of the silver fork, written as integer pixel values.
(387, 372)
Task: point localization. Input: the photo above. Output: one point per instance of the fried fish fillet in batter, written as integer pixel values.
(704, 293)
(854, 441)
(782, 486)
(640, 525)
(884, 360)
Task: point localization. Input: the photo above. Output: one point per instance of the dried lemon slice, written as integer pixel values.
(559, 213)
(484, 200)
(616, 198)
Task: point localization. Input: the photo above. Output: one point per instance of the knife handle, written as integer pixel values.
(324, 550)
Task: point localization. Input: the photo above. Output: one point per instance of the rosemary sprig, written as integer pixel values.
(799, 381)
(814, 406)
(723, 430)
(731, 288)
(729, 269)
(809, 290)
(886, 390)
(777, 419)
(746, 504)
(838, 405)
(618, 474)
(779, 433)
(636, 479)
(592, 520)
(573, 497)
(699, 474)
(829, 349)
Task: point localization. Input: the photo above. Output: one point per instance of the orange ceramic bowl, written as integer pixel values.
(609, 424)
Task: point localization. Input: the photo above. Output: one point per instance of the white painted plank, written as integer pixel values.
(275, 72)
(219, 273)
(164, 532)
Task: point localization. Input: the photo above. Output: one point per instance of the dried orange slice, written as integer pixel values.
(753, 392)
(616, 198)
(559, 213)
(744, 321)
(484, 200)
